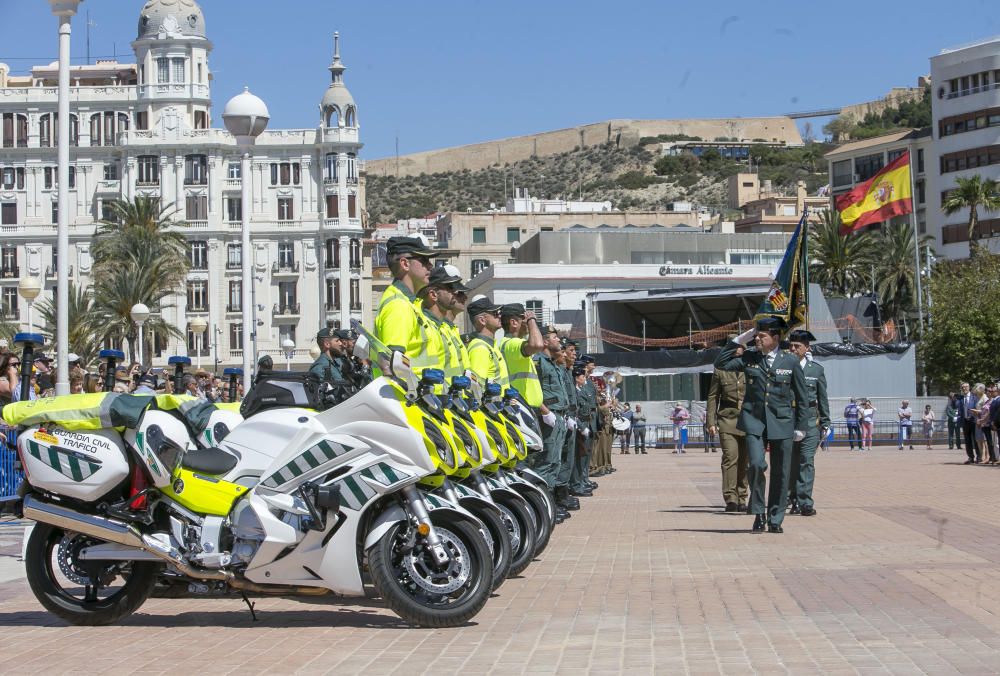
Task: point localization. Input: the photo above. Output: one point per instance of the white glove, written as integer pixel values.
(746, 337)
(549, 419)
(570, 423)
(799, 435)
(586, 432)
(826, 432)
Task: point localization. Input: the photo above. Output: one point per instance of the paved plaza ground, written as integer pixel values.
(898, 573)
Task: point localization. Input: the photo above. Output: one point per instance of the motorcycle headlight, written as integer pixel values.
(471, 446)
(441, 445)
(502, 451)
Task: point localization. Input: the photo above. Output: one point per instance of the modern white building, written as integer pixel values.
(146, 128)
(966, 128)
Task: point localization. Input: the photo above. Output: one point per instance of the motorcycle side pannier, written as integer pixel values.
(80, 465)
(282, 389)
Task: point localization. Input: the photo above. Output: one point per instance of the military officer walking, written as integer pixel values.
(774, 414)
(818, 408)
(725, 398)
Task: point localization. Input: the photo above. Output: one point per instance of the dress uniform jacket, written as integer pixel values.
(725, 398)
(817, 403)
(774, 404)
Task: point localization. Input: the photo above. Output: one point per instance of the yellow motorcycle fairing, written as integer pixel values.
(203, 494)
(438, 439)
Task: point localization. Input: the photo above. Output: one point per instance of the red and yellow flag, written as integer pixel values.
(886, 194)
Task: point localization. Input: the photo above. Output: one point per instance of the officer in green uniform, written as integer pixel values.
(325, 365)
(818, 408)
(774, 414)
(725, 398)
(586, 405)
(552, 412)
(567, 464)
(399, 323)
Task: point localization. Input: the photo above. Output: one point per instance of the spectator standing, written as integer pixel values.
(951, 419)
(680, 417)
(852, 419)
(639, 429)
(984, 425)
(10, 379)
(928, 420)
(867, 413)
(905, 415)
(966, 403)
(626, 435)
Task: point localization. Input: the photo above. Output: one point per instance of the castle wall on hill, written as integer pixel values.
(621, 132)
(895, 97)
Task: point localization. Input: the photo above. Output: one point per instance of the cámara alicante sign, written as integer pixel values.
(697, 270)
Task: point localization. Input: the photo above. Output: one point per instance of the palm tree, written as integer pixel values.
(139, 257)
(896, 269)
(973, 192)
(839, 263)
(84, 324)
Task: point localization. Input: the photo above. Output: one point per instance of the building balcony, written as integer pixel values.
(10, 273)
(352, 180)
(331, 180)
(230, 308)
(332, 307)
(108, 185)
(340, 135)
(234, 266)
(289, 310)
(148, 184)
(232, 184)
(181, 90)
(234, 225)
(236, 355)
(11, 229)
(285, 268)
(197, 310)
(331, 222)
(198, 225)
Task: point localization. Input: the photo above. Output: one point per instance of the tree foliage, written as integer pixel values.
(972, 193)
(840, 264)
(958, 344)
(84, 323)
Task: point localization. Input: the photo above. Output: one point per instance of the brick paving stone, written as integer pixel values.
(894, 575)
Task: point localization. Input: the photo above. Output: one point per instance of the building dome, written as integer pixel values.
(171, 18)
(338, 108)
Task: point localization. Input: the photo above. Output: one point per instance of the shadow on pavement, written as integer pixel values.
(743, 531)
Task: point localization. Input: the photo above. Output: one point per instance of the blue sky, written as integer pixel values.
(441, 73)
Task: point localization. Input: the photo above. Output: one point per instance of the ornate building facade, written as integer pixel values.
(147, 129)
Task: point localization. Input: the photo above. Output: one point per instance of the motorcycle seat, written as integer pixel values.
(209, 461)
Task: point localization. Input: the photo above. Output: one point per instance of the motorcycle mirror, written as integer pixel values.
(432, 377)
(113, 357)
(361, 347)
(492, 389)
(460, 383)
(234, 374)
(27, 343)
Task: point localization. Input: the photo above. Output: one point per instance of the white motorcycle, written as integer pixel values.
(292, 501)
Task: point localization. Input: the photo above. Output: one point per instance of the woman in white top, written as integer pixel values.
(928, 419)
(867, 412)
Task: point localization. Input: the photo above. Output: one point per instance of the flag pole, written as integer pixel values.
(916, 241)
(805, 257)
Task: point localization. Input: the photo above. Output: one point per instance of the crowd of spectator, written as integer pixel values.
(973, 417)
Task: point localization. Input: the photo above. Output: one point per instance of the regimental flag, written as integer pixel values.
(886, 194)
(788, 297)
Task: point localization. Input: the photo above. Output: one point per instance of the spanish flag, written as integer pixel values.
(886, 194)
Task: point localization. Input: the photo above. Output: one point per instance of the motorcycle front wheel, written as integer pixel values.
(500, 541)
(520, 520)
(83, 592)
(543, 517)
(424, 593)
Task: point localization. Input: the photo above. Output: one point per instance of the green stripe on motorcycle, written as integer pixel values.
(358, 492)
(311, 459)
(389, 473)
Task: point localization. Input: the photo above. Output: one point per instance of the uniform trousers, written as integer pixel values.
(734, 467)
(567, 458)
(804, 469)
(584, 446)
(547, 462)
(781, 461)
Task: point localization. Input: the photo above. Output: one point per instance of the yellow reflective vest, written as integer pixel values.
(521, 370)
(401, 324)
(487, 362)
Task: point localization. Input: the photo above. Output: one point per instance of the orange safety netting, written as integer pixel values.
(849, 325)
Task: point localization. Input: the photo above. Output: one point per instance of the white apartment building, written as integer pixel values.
(966, 128)
(147, 129)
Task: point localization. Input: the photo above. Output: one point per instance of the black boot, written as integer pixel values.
(564, 500)
(758, 524)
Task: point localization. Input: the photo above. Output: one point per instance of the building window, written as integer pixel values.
(142, 120)
(355, 295)
(921, 195)
(9, 301)
(895, 154)
(330, 168)
(12, 178)
(45, 131)
(198, 254)
(287, 173)
(235, 301)
(148, 167)
(479, 235)
(286, 332)
(355, 253)
(55, 211)
(867, 166)
(200, 119)
(196, 207)
(8, 214)
(197, 296)
(8, 130)
(285, 212)
(513, 235)
(970, 159)
(111, 171)
(236, 336)
(287, 298)
(234, 256)
(352, 206)
(274, 173)
(535, 306)
(234, 171)
(333, 206)
(478, 265)
(234, 209)
(8, 262)
(332, 294)
(352, 168)
(108, 211)
(286, 255)
(920, 159)
(163, 70)
(333, 253)
(195, 170)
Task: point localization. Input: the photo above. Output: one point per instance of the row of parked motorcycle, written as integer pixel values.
(412, 489)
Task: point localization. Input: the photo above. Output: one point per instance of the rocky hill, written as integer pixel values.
(634, 177)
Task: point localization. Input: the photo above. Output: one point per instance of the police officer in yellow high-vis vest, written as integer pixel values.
(434, 299)
(485, 358)
(522, 338)
(400, 324)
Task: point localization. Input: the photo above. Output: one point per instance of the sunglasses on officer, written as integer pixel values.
(423, 260)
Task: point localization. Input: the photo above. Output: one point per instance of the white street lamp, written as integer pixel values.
(198, 326)
(64, 9)
(246, 117)
(139, 314)
(29, 288)
(314, 352)
(288, 345)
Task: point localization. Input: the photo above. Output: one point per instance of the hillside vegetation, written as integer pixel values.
(635, 177)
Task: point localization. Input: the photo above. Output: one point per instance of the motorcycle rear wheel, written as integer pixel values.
(502, 551)
(543, 517)
(420, 593)
(56, 577)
